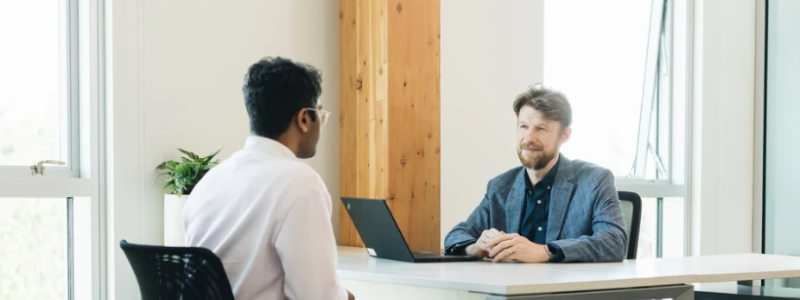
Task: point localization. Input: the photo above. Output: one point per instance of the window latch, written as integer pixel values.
(38, 168)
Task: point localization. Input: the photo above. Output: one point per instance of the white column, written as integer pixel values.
(723, 122)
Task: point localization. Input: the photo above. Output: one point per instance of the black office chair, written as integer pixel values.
(179, 273)
(632, 211)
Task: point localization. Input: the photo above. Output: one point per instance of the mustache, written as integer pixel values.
(530, 146)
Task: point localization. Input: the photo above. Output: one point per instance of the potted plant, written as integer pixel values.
(181, 178)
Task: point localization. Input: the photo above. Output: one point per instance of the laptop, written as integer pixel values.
(376, 226)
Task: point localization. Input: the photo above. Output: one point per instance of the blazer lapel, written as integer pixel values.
(514, 203)
(560, 198)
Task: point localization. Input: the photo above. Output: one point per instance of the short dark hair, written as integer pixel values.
(551, 103)
(275, 89)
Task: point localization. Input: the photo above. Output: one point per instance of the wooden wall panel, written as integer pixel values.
(348, 113)
(363, 97)
(389, 101)
(414, 112)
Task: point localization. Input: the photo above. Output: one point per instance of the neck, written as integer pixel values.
(537, 175)
(289, 142)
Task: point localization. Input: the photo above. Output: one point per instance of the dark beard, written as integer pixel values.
(536, 164)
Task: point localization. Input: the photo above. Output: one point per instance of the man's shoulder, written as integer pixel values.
(299, 170)
(257, 167)
(264, 163)
(589, 172)
(299, 175)
(506, 180)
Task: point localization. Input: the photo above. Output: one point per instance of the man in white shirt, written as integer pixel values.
(263, 212)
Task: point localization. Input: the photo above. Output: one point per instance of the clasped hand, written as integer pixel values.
(501, 246)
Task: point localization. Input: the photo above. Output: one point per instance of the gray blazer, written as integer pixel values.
(585, 218)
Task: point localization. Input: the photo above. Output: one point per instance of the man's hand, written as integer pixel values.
(506, 247)
(350, 296)
(479, 248)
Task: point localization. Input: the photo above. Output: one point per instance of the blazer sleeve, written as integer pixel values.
(608, 243)
(467, 232)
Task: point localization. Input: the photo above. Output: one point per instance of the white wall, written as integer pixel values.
(723, 122)
(179, 64)
(178, 67)
(491, 52)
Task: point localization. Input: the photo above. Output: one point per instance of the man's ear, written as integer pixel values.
(302, 120)
(566, 134)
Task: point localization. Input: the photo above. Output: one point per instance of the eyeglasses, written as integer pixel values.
(323, 115)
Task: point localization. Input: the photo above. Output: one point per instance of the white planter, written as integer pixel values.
(173, 220)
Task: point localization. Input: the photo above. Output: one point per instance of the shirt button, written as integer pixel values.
(548, 187)
(539, 201)
(540, 228)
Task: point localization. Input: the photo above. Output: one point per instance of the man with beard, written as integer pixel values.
(551, 209)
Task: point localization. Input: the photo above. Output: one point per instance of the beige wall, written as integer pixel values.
(491, 51)
(176, 82)
(194, 69)
(180, 64)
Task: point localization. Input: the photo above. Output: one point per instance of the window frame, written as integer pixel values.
(84, 175)
(69, 86)
(61, 181)
(679, 36)
(678, 39)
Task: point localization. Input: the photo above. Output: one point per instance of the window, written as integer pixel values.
(36, 87)
(40, 126)
(617, 61)
(661, 232)
(34, 256)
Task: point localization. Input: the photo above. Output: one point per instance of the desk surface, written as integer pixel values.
(517, 278)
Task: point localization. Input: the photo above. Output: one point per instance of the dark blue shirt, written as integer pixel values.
(536, 210)
(533, 223)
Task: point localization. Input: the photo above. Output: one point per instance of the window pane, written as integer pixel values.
(648, 233)
(673, 235)
(33, 256)
(596, 56)
(781, 188)
(33, 97)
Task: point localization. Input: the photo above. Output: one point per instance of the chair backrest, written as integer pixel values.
(632, 211)
(167, 273)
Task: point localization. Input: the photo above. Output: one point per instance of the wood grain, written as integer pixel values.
(414, 108)
(389, 123)
(349, 83)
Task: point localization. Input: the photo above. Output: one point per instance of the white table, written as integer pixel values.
(667, 278)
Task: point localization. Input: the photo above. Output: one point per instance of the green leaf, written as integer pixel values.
(184, 175)
(182, 169)
(190, 154)
(167, 165)
(211, 156)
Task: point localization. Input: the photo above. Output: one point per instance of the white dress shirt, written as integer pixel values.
(267, 216)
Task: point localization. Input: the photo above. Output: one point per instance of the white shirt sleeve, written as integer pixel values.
(307, 249)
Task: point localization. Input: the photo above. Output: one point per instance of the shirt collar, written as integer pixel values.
(548, 179)
(269, 146)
